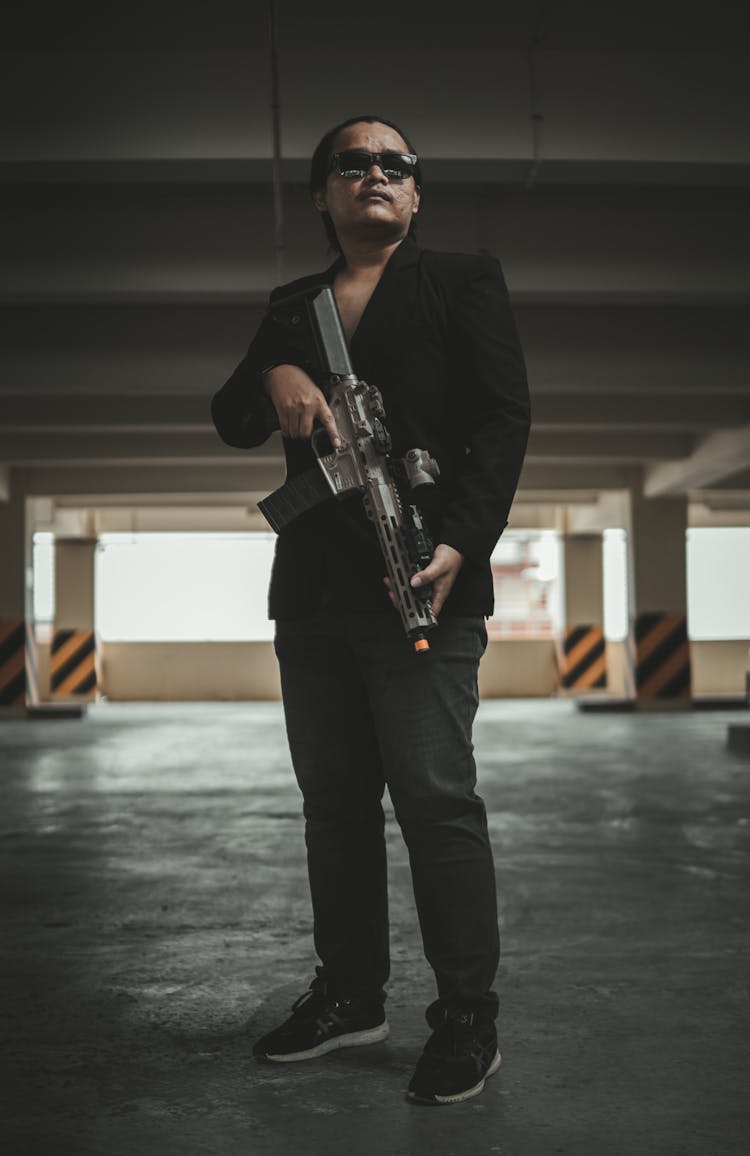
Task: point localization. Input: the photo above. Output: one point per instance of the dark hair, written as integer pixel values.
(321, 159)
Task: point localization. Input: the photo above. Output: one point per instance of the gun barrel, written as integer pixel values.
(329, 334)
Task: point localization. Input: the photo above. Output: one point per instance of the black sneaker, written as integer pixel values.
(319, 1023)
(458, 1057)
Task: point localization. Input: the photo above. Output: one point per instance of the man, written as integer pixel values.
(434, 332)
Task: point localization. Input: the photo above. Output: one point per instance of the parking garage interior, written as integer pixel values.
(157, 912)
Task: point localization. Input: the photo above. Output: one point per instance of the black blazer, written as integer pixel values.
(439, 340)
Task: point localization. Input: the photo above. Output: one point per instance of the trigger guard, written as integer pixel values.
(325, 449)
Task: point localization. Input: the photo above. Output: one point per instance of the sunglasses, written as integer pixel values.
(354, 164)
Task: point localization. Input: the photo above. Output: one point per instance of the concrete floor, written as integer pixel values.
(157, 919)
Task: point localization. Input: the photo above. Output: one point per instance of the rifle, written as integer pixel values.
(362, 464)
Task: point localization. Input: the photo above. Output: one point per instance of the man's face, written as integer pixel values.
(369, 207)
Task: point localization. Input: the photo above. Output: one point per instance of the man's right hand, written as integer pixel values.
(298, 402)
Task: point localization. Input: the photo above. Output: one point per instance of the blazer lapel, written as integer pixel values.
(385, 311)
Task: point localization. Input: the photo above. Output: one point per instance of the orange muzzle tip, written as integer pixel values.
(421, 644)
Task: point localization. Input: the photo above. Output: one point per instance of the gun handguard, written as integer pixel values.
(362, 464)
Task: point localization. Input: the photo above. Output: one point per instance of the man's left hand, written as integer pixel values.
(441, 572)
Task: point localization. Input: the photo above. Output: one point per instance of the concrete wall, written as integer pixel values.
(190, 670)
(200, 671)
(515, 669)
(719, 667)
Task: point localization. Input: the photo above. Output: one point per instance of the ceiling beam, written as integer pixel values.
(561, 408)
(95, 413)
(442, 170)
(606, 444)
(200, 484)
(117, 448)
(557, 409)
(206, 483)
(553, 478)
(718, 456)
(156, 447)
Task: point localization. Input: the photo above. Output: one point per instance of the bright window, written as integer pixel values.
(718, 582)
(200, 586)
(183, 587)
(615, 580)
(44, 577)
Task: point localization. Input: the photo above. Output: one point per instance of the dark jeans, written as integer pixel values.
(362, 710)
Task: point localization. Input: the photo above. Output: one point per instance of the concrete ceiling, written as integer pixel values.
(601, 151)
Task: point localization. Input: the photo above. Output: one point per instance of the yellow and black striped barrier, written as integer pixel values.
(73, 664)
(661, 654)
(12, 662)
(19, 683)
(582, 658)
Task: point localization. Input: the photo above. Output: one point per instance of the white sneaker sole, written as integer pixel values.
(347, 1040)
(459, 1096)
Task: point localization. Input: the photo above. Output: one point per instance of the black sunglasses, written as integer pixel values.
(354, 164)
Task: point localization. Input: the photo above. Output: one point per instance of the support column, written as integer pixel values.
(657, 592)
(581, 650)
(74, 665)
(18, 670)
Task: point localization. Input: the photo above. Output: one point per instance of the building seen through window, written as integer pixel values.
(526, 568)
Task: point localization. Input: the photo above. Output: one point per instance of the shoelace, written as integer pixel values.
(309, 999)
